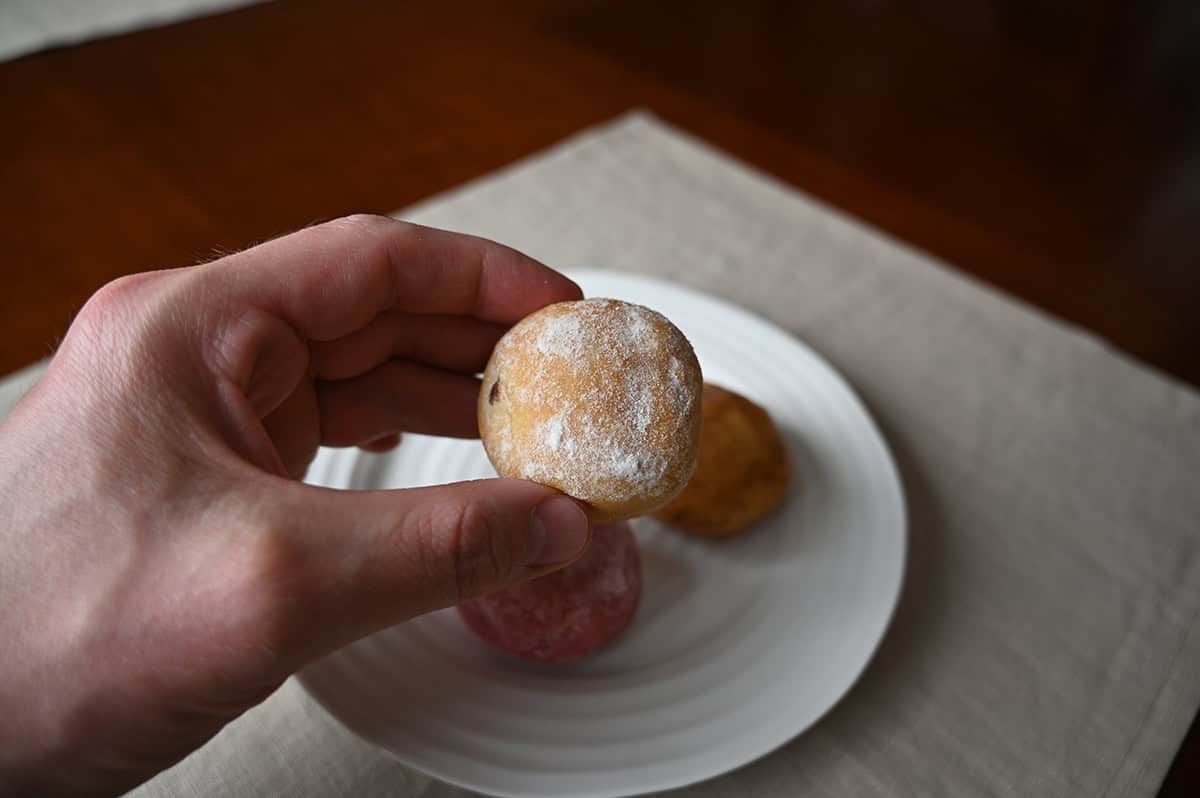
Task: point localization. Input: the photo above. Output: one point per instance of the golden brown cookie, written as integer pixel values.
(597, 398)
(743, 471)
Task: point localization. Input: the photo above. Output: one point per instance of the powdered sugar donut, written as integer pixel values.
(569, 613)
(597, 398)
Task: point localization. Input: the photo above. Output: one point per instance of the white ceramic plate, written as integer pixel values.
(737, 647)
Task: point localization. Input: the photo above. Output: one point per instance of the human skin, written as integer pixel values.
(162, 569)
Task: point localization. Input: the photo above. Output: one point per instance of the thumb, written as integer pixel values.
(376, 558)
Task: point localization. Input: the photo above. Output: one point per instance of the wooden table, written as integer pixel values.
(1051, 151)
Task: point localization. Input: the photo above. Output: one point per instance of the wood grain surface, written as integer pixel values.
(1052, 150)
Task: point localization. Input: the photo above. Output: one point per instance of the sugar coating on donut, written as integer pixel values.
(598, 398)
(570, 613)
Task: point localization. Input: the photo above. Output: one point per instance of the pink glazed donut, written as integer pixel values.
(570, 613)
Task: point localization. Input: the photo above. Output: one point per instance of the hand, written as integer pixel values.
(161, 569)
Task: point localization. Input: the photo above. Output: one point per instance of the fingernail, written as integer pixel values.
(562, 527)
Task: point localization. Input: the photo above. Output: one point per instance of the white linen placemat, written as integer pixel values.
(1046, 643)
(30, 25)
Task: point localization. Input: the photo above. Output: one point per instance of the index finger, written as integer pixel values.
(331, 279)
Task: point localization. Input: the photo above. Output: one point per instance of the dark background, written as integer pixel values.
(1050, 149)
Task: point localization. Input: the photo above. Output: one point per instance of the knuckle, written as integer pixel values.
(110, 321)
(482, 554)
(366, 221)
(117, 293)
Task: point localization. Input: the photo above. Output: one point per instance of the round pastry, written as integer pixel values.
(597, 398)
(743, 472)
(569, 613)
